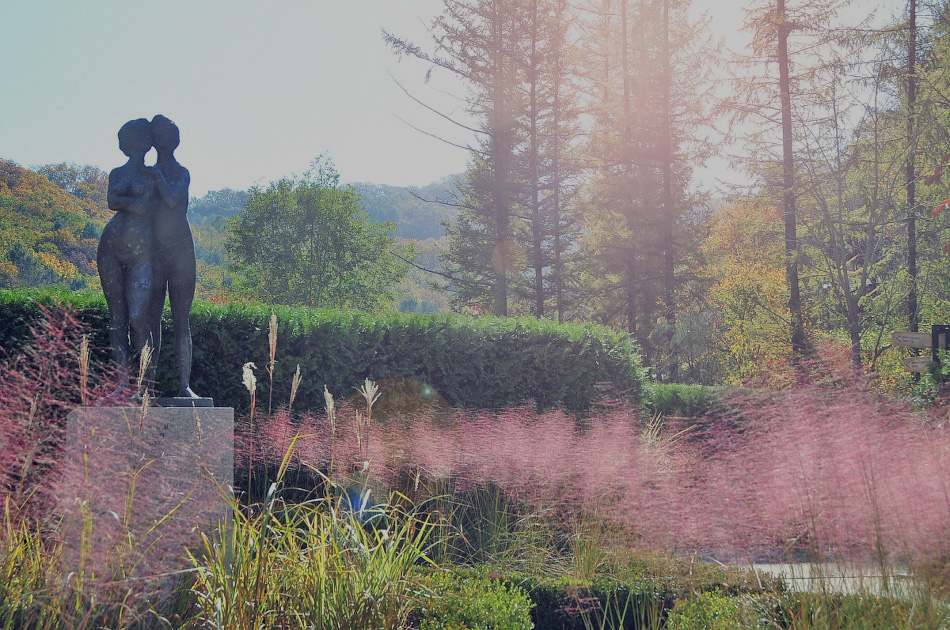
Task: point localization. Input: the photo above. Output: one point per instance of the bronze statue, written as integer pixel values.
(125, 255)
(175, 248)
(146, 248)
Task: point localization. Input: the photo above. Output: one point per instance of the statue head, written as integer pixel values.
(164, 133)
(135, 137)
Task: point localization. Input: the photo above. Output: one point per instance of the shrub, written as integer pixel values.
(676, 399)
(483, 362)
(710, 610)
(473, 602)
(569, 604)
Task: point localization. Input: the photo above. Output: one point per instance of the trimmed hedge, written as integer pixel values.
(566, 603)
(483, 362)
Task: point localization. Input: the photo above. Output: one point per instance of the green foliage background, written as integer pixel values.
(307, 241)
(483, 362)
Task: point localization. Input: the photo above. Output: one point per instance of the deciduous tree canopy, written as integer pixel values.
(307, 241)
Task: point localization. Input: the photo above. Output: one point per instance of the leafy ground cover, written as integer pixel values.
(431, 517)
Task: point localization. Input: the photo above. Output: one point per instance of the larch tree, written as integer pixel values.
(787, 44)
(482, 42)
(650, 98)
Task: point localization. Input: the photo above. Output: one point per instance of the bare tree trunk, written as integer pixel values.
(627, 146)
(913, 314)
(788, 187)
(537, 228)
(668, 213)
(500, 152)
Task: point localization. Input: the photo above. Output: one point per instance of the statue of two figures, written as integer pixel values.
(145, 250)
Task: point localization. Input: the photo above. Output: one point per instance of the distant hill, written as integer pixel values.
(416, 212)
(48, 235)
(216, 204)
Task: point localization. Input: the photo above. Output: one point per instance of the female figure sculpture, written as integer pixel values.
(174, 252)
(125, 255)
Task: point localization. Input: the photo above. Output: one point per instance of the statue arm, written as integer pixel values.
(174, 193)
(117, 197)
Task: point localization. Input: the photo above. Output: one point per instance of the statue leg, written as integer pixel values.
(139, 298)
(181, 294)
(156, 305)
(112, 276)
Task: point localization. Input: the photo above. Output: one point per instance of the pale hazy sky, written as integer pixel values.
(258, 89)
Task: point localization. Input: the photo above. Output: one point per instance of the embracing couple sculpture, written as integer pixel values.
(147, 248)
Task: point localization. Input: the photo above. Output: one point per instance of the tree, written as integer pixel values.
(788, 40)
(481, 42)
(224, 202)
(31, 270)
(910, 169)
(646, 63)
(83, 181)
(749, 295)
(307, 241)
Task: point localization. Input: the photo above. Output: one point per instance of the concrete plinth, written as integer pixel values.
(139, 484)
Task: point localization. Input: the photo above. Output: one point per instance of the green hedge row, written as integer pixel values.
(482, 362)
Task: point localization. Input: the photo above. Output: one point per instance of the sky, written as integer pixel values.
(258, 89)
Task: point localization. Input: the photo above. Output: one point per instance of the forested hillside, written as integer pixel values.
(417, 212)
(49, 235)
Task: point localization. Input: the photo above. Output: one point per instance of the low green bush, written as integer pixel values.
(564, 603)
(676, 399)
(483, 362)
(472, 602)
(710, 610)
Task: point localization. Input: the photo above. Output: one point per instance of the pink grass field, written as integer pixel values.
(824, 464)
(830, 469)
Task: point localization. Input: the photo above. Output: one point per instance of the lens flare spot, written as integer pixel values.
(509, 258)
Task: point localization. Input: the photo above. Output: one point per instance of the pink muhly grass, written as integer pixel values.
(825, 466)
(545, 458)
(47, 379)
(113, 488)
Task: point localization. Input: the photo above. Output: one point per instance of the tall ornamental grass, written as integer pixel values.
(313, 565)
(825, 470)
(342, 508)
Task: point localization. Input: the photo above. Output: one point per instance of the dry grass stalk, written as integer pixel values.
(331, 409)
(143, 409)
(370, 393)
(84, 369)
(272, 347)
(250, 382)
(331, 416)
(145, 359)
(293, 388)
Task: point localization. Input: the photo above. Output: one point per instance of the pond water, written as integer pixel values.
(838, 577)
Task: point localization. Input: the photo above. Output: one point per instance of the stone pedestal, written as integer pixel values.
(140, 484)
